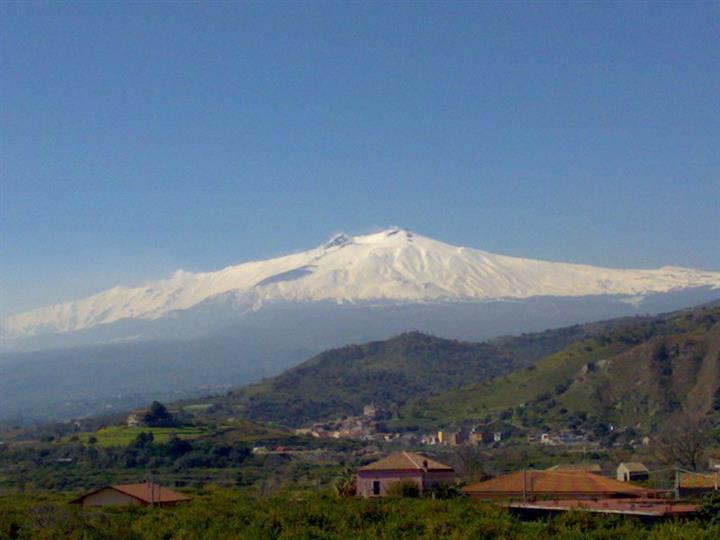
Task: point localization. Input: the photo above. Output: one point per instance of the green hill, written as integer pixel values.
(629, 371)
(342, 381)
(390, 373)
(638, 373)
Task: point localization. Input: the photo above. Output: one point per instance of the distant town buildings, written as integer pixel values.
(370, 411)
(562, 438)
(136, 416)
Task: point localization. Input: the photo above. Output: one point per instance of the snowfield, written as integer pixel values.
(395, 265)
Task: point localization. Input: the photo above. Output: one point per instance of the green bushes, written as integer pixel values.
(403, 488)
(225, 514)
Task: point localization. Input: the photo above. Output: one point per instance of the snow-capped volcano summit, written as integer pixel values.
(396, 266)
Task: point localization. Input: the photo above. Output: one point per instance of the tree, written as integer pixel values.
(684, 442)
(159, 416)
(345, 483)
(143, 440)
(470, 463)
(710, 509)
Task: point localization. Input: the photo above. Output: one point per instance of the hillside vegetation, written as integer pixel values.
(341, 381)
(407, 368)
(638, 374)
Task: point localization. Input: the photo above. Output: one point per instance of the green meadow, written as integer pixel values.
(124, 435)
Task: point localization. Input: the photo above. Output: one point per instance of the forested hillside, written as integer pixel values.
(342, 381)
(639, 374)
(409, 368)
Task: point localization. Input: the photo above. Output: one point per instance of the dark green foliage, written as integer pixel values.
(711, 508)
(341, 381)
(220, 514)
(403, 488)
(45, 465)
(159, 416)
(345, 482)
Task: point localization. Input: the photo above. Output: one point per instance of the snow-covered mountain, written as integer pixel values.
(394, 266)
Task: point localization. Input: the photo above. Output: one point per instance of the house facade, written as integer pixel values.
(632, 471)
(136, 417)
(691, 484)
(375, 479)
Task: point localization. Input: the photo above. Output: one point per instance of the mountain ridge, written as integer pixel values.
(395, 265)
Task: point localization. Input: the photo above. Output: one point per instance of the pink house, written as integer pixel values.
(374, 479)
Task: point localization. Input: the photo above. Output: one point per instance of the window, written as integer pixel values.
(376, 487)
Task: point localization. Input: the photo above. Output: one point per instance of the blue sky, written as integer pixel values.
(141, 138)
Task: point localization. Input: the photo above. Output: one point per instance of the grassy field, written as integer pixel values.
(238, 431)
(123, 435)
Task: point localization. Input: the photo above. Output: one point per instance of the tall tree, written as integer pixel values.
(684, 442)
(159, 416)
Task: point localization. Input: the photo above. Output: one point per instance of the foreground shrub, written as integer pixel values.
(403, 488)
(226, 514)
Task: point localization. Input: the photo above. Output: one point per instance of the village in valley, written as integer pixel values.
(410, 464)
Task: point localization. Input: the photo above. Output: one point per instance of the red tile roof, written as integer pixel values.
(588, 467)
(143, 493)
(406, 461)
(634, 466)
(553, 483)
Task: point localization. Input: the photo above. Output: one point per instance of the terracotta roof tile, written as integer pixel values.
(405, 461)
(588, 467)
(159, 494)
(142, 492)
(634, 466)
(553, 482)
